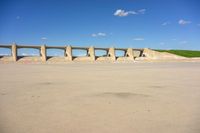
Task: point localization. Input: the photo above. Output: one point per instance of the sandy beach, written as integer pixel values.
(100, 98)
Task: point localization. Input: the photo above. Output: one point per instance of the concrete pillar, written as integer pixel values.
(14, 52)
(43, 53)
(91, 53)
(111, 53)
(148, 53)
(130, 54)
(69, 52)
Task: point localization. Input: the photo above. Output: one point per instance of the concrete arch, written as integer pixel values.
(55, 52)
(28, 52)
(83, 53)
(100, 53)
(79, 52)
(120, 53)
(5, 52)
(137, 53)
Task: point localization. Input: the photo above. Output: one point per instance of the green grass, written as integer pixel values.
(185, 53)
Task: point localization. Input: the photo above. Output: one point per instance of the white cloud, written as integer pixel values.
(142, 11)
(162, 43)
(184, 22)
(44, 38)
(18, 17)
(138, 39)
(111, 33)
(94, 35)
(183, 42)
(123, 13)
(100, 34)
(166, 23)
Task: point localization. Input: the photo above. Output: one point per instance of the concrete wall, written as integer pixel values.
(68, 55)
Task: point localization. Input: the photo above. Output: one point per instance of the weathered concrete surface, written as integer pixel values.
(91, 53)
(136, 54)
(69, 53)
(111, 53)
(14, 52)
(124, 59)
(6, 59)
(106, 59)
(130, 53)
(43, 53)
(100, 98)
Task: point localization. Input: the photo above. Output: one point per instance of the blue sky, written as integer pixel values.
(162, 24)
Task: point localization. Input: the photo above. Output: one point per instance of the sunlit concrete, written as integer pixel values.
(68, 53)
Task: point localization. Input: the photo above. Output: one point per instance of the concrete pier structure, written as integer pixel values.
(110, 54)
(69, 52)
(43, 53)
(14, 52)
(129, 53)
(91, 53)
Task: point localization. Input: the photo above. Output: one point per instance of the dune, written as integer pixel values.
(100, 98)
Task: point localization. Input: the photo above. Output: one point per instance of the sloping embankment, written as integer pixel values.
(153, 55)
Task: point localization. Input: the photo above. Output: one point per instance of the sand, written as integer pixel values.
(100, 98)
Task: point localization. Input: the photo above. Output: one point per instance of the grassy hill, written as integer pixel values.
(185, 53)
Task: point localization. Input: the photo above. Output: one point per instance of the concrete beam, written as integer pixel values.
(91, 53)
(28, 46)
(43, 53)
(138, 49)
(69, 52)
(111, 53)
(55, 47)
(14, 52)
(101, 48)
(5, 46)
(122, 49)
(81, 48)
